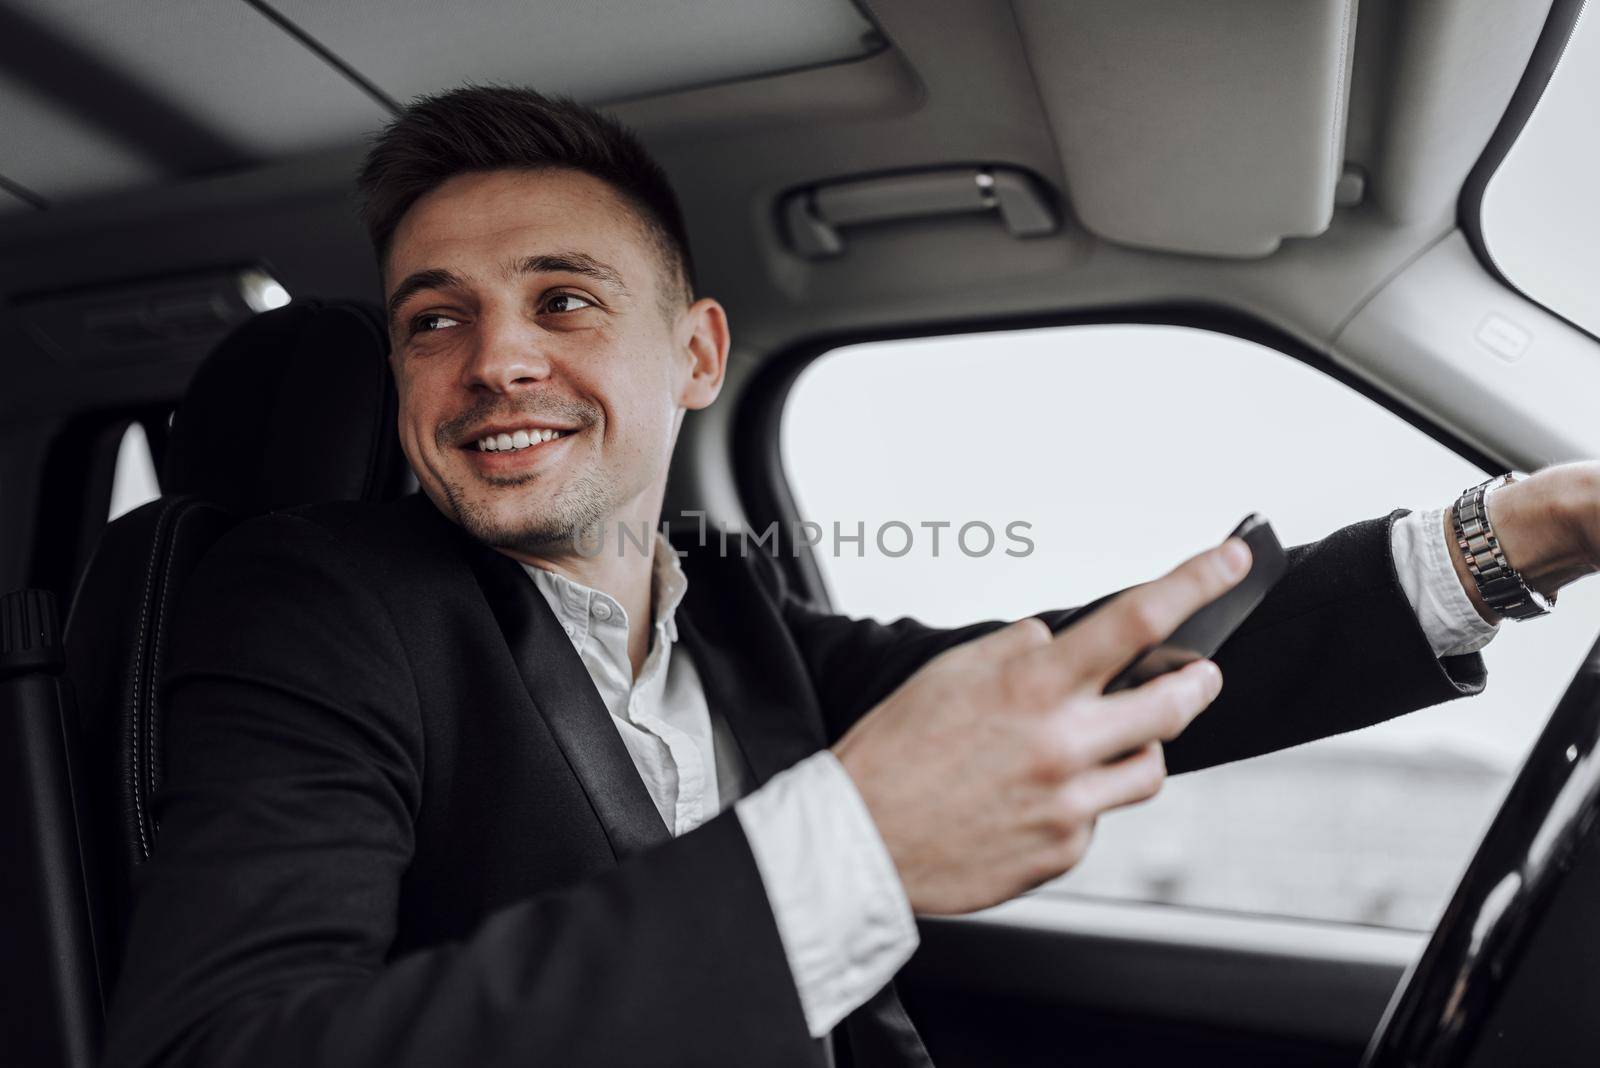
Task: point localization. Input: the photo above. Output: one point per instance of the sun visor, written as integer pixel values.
(1202, 126)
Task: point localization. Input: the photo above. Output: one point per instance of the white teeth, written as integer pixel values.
(521, 439)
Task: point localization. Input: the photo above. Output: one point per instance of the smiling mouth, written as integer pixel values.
(516, 440)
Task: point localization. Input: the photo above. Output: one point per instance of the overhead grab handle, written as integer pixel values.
(814, 216)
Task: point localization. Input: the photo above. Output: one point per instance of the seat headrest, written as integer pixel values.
(296, 406)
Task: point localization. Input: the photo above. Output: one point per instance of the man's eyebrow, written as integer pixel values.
(416, 282)
(570, 263)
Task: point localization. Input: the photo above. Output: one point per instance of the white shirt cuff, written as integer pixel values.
(841, 912)
(1422, 561)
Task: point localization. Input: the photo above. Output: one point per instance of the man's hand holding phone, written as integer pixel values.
(986, 770)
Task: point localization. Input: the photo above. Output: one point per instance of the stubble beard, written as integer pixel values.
(578, 510)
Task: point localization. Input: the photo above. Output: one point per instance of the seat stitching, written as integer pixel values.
(138, 672)
(151, 727)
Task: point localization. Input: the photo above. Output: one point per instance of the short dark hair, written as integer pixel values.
(489, 127)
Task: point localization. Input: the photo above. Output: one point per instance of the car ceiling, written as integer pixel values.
(112, 97)
(152, 138)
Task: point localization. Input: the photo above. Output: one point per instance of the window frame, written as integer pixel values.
(1051, 922)
(1547, 52)
(757, 457)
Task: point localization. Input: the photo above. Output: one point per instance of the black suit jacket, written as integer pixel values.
(398, 827)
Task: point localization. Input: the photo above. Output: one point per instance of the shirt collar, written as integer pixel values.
(579, 608)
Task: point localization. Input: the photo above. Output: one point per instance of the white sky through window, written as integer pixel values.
(1541, 210)
(1126, 448)
(135, 480)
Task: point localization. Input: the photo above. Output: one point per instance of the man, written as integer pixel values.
(445, 785)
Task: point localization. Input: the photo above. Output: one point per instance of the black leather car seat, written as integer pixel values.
(296, 406)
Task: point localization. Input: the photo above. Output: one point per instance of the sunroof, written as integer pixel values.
(1540, 215)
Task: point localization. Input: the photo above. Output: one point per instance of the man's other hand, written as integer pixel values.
(1548, 526)
(985, 771)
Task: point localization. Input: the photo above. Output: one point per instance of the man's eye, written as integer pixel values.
(426, 324)
(565, 302)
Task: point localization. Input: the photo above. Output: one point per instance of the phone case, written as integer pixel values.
(1202, 634)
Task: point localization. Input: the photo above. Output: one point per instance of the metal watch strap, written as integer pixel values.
(1502, 588)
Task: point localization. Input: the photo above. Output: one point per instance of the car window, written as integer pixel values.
(134, 481)
(1098, 457)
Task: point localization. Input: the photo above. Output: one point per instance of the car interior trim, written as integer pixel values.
(1547, 53)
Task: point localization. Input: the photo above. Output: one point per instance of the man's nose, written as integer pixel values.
(508, 351)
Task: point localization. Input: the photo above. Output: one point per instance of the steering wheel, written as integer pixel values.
(1512, 972)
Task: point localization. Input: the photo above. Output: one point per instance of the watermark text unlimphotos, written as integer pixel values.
(892, 539)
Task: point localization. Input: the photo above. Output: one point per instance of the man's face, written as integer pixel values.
(543, 356)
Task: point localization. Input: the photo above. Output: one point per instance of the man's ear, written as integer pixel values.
(702, 338)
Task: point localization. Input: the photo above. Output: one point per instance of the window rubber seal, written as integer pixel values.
(1547, 53)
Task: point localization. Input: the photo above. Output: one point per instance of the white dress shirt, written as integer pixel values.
(841, 912)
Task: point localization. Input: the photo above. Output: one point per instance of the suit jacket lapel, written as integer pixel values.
(746, 663)
(561, 690)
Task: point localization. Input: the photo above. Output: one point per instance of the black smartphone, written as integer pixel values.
(1202, 634)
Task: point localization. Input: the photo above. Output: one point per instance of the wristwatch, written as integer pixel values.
(1503, 589)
